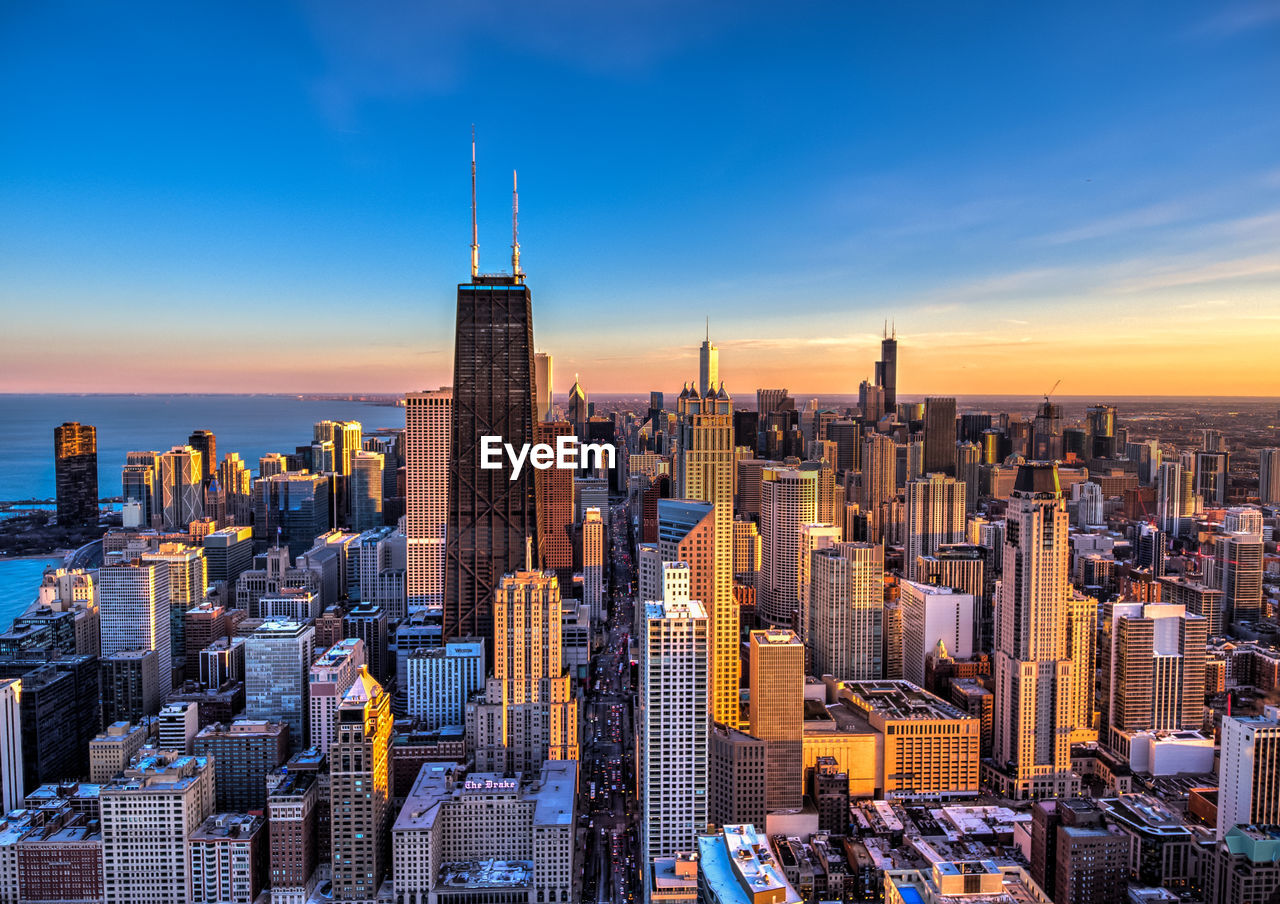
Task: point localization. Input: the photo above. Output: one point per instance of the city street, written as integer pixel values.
(608, 748)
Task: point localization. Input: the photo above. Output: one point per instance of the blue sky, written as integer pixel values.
(275, 197)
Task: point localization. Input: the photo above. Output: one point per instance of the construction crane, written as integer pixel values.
(1050, 392)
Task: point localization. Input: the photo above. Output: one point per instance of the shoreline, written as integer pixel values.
(34, 557)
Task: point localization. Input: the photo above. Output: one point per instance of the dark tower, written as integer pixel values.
(940, 436)
(490, 515)
(75, 468)
(204, 442)
(887, 370)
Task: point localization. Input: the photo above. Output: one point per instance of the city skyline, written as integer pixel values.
(1005, 185)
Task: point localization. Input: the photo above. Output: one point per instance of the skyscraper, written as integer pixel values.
(1211, 476)
(555, 491)
(1169, 498)
(1153, 677)
(364, 490)
(1034, 707)
(593, 564)
(332, 675)
(204, 442)
(788, 500)
(940, 436)
(933, 614)
(935, 516)
(277, 671)
(1248, 793)
(1236, 568)
(776, 666)
(138, 486)
(1269, 476)
(704, 471)
(491, 515)
(708, 364)
(879, 481)
(528, 713)
(428, 424)
(11, 786)
(673, 717)
(180, 488)
(544, 389)
(360, 791)
(347, 438)
(75, 466)
(234, 478)
(887, 371)
(846, 611)
(133, 601)
(291, 509)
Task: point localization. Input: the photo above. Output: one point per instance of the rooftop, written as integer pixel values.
(486, 874)
(898, 699)
(738, 865)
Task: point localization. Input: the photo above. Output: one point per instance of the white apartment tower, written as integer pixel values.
(673, 725)
(11, 784)
(812, 537)
(133, 604)
(933, 614)
(935, 515)
(846, 611)
(428, 419)
(788, 500)
(1035, 706)
(1249, 777)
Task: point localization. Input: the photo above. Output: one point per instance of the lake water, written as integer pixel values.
(19, 579)
(249, 425)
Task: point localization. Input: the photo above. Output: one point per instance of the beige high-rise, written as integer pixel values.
(704, 468)
(1035, 705)
(427, 433)
(359, 770)
(528, 714)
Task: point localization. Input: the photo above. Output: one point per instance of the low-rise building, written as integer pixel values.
(487, 834)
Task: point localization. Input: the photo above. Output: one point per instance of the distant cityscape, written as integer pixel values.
(780, 650)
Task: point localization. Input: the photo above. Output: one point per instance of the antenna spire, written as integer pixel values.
(708, 328)
(515, 233)
(475, 239)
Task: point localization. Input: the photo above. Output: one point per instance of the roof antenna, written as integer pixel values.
(515, 235)
(475, 240)
(708, 328)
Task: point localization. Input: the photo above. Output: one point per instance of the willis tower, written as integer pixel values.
(491, 516)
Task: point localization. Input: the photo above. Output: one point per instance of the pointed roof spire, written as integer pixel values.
(515, 233)
(475, 235)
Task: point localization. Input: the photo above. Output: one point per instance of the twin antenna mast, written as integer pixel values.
(515, 213)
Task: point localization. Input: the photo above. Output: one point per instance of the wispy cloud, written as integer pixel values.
(1239, 17)
(401, 48)
(1117, 224)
